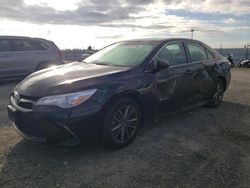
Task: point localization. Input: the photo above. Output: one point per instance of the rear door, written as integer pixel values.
(27, 53)
(172, 85)
(202, 82)
(6, 66)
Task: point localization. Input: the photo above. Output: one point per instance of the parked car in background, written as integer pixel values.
(117, 89)
(20, 56)
(87, 54)
(244, 63)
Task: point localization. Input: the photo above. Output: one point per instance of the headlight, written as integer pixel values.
(66, 100)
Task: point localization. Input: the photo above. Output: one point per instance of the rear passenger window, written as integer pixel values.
(196, 52)
(4, 45)
(28, 45)
(37, 45)
(209, 55)
(174, 53)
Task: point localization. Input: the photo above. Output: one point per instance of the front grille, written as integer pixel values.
(29, 98)
(22, 101)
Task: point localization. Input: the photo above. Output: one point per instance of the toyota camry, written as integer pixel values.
(112, 92)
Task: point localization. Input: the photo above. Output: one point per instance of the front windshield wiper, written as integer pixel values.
(107, 64)
(100, 63)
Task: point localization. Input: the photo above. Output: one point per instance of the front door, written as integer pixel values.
(172, 85)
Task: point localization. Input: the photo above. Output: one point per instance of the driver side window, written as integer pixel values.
(174, 53)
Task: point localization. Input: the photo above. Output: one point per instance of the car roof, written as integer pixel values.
(160, 40)
(19, 37)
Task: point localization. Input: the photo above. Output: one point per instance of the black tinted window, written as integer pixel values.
(196, 52)
(174, 53)
(209, 55)
(4, 45)
(28, 45)
(37, 45)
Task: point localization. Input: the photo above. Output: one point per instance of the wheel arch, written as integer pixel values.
(223, 80)
(40, 64)
(135, 96)
(46, 62)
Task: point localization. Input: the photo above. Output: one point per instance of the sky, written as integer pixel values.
(80, 23)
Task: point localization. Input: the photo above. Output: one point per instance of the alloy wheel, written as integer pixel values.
(218, 95)
(124, 123)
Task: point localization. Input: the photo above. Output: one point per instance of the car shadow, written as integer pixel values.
(171, 142)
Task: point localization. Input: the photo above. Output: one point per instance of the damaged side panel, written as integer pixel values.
(172, 87)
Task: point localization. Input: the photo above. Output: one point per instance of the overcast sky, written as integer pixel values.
(79, 23)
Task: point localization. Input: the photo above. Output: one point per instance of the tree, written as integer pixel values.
(89, 48)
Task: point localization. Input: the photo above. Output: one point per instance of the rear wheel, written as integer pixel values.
(248, 65)
(121, 123)
(218, 94)
(232, 65)
(43, 66)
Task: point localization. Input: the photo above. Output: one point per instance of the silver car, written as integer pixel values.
(20, 56)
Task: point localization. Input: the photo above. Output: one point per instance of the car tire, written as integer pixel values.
(218, 93)
(121, 123)
(232, 65)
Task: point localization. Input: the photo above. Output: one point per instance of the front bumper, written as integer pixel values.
(56, 126)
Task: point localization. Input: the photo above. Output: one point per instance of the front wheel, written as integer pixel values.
(218, 94)
(121, 123)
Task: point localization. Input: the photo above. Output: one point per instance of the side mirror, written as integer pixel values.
(157, 65)
(162, 64)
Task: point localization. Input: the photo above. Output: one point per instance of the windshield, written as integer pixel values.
(124, 54)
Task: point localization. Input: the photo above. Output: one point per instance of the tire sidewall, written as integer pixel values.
(211, 103)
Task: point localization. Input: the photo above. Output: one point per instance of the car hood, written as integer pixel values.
(66, 78)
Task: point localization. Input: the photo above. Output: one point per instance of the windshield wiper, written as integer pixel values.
(100, 63)
(107, 64)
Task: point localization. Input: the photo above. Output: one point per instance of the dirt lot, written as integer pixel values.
(199, 148)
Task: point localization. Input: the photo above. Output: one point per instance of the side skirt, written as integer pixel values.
(182, 109)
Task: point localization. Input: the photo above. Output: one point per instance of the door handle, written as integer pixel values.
(188, 71)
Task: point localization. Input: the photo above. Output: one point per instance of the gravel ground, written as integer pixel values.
(198, 148)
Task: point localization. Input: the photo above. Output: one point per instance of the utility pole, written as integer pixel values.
(247, 46)
(192, 33)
